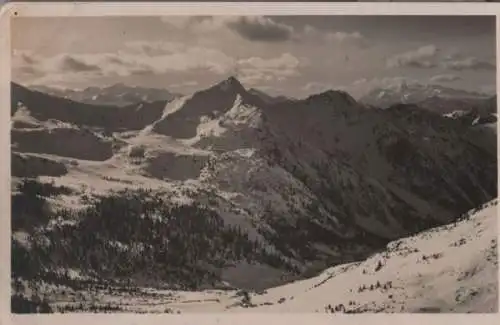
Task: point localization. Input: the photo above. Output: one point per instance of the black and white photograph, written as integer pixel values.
(332, 164)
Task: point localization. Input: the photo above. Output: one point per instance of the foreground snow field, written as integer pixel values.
(452, 268)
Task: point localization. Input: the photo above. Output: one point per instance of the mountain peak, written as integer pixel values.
(231, 83)
(333, 95)
(232, 80)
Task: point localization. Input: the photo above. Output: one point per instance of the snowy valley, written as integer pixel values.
(231, 200)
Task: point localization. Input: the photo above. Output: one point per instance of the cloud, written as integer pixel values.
(138, 59)
(490, 89)
(24, 63)
(261, 29)
(343, 36)
(23, 57)
(458, 61)
(75, 64)
(152, 48)
(153, 58)
(26, 70)
(427, 57)
(445, 78)
(469, 63)
(252, 28)
(418, 58)
(113, 63)
(310, 32)
(191, 83)
(61, 80)
(363, 86)
(256, 69)
(317, 87)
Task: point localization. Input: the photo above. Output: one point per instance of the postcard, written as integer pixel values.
(249, 162)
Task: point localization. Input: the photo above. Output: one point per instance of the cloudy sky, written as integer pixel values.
(290, 55)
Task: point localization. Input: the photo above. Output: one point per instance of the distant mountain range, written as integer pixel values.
(469, 107)
(434, 97)
(117, 95)
(233, 187)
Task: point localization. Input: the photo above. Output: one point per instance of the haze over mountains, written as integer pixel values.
(118, 94)
(252, 190)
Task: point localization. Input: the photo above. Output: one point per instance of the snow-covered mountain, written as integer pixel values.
(117, 94)
(109, 118)
(253, 192)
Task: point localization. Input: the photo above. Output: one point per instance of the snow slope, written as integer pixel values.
(452, 268)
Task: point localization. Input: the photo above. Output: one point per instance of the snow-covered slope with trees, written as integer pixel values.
(228, 188)
(452, 268)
